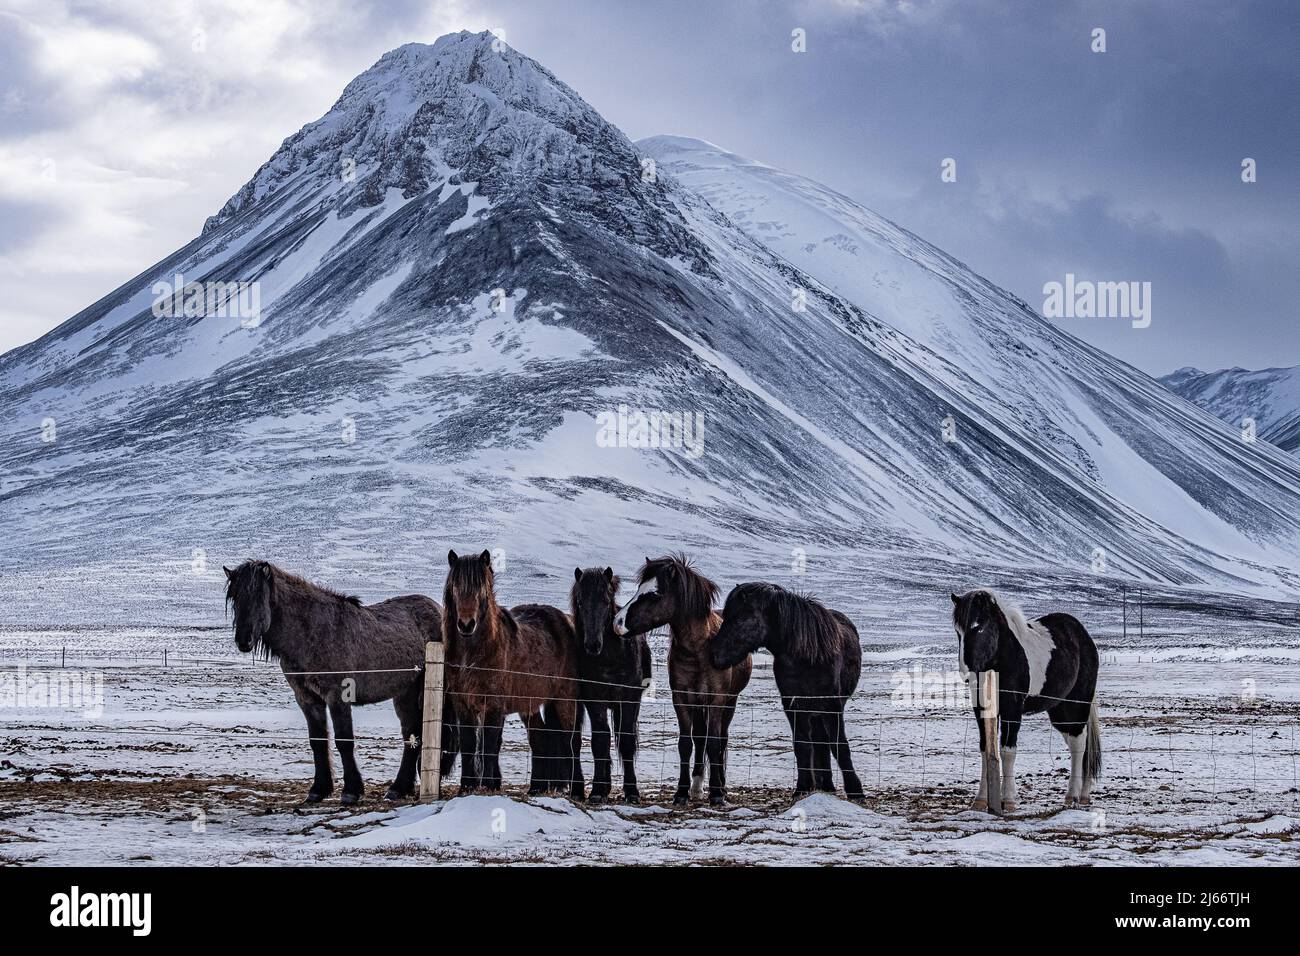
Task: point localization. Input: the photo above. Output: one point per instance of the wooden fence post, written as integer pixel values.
(987, 682)
(431, 731)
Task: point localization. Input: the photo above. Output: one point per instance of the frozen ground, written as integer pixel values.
(203, 761)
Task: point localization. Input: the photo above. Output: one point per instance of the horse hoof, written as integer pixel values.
(394, 794)
(596, 798)
(857, 796)
(1071, 803)
(681, 798)
(1009, 807)
(978, 804)
(717, 799)
(631, 796)
(315, 796)
(1085, 801)
(350, 799)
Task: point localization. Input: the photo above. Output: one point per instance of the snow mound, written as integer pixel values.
(483, 821)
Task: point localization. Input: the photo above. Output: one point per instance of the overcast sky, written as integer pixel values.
(125, 123)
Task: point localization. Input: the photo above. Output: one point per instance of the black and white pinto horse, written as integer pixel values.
(1045, 665)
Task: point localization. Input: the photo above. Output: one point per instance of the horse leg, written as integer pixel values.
(598, 711)
(1071, 721)
(803, 749)
(492, 730)
(408, 707)
(313, 708)
(786, 706)
(556, 772)
(1009, 731)
(700, 735)
(844, 757)
(540, 763)
(450, 738)
(719, 721)
(628, 712)
(981, 801)
(341, 717)
(822, 778)
(570, 751)
(682, 796)
(470, 723)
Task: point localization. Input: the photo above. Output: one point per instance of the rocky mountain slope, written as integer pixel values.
(465, 272)
(1270, 397)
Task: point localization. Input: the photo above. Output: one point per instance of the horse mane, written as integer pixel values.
(241, 580)
(810, 626)
(1015, 617)
(694, 593)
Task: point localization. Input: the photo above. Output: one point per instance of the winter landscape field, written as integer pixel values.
(464, 310)
(200, 760)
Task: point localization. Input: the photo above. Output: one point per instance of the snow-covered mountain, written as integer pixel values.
(1271, 397)
(465, 272)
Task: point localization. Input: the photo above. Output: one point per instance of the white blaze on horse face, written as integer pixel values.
(961, 653)
(1036, 641)
(620, 619)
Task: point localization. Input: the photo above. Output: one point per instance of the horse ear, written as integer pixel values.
(486, 557)
(609, 574)
(577, 574)
(230, 575)
(955, 599)
(451, 558)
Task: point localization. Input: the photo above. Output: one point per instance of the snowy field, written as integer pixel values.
(203, 760)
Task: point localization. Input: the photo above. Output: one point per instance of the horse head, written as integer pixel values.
(979, 623)
(668, 589)
(592, 601)
(250, 589)
(748, 623)
(468, 598)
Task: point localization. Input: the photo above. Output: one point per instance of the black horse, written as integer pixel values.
(816, 662)
(337, 652)
(615, 671)
(1045, 665)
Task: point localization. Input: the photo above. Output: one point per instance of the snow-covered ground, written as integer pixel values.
(203, 761)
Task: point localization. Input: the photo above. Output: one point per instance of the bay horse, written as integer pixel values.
(817, 660)
(519, 661)
(615, 671)
(670, 591)
(1049, 664)
(336, 653)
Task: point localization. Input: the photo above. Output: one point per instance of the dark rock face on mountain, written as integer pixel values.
(464, 276)
(1268, 398)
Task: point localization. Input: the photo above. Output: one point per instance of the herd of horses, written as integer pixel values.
(556, 668)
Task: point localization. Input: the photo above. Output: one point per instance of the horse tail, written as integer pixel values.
(1092, 750)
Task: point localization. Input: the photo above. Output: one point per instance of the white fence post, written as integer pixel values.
(431, 731)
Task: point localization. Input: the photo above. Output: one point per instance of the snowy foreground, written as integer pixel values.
(203, 761)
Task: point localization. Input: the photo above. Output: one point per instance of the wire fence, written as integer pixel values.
(1229, 746)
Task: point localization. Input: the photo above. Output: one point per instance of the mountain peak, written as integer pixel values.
(466, 108)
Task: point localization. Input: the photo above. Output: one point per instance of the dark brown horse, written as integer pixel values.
(615, 671)
(672, 592)
(337, 652)
(522, 661)
(817, 659)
